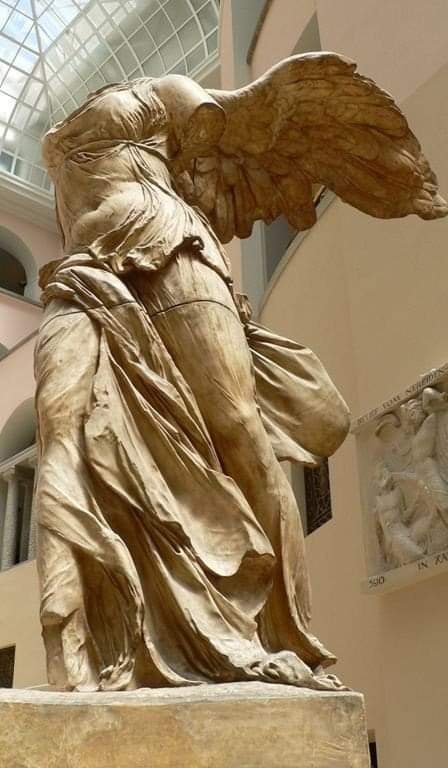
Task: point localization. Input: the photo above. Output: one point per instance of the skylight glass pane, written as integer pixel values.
(212, 43)
(94, 82)
(31, 39)
(195, 58)
(153, 67)
(207, 18)
(20, 116)
(82, 29)
(30, 148)
(96, 15)
(148, 9)
(8, 49)
(53, 25)
(142, 44)
(36, 127)
(10, 139)
(7, 104)
(14, 82)
(111, 71)
(178, 11)
(18, 26)
(189, 35)
(32, 92)
(160, 27)
(26, 7)
(26, 60)
(4, 13)
(171, 52)
(126, 58)
(5, 161)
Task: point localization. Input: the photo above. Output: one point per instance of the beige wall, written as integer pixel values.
(19, 623)
(370, 297)
(17, 319)
(17, 380)
(400, 43)
(279, 32)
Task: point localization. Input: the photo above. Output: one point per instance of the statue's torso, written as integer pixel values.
(109, 163)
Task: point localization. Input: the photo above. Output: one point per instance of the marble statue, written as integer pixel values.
(412, 479)
(170, 548)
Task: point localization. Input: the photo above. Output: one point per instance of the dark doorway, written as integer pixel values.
(12, 274)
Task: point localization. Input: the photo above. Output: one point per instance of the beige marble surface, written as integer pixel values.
(240, 725)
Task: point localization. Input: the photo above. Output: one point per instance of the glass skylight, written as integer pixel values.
(53, 53)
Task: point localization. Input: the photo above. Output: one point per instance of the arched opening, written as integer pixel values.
(18, 269)
(17, 466)
(12, 273)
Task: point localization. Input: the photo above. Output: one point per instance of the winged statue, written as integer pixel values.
(170, 547)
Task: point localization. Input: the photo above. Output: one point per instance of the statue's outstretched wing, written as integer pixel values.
(310, 120)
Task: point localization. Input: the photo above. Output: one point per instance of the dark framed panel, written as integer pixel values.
(318, 496)
(7, 659)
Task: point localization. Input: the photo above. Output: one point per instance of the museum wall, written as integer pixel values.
(370, 296)
(20, 624)
(18, 318)
(17, 380)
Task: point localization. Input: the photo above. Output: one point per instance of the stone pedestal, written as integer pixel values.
(243, 725)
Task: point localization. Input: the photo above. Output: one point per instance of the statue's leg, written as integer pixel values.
(208, 344)
(63, 385)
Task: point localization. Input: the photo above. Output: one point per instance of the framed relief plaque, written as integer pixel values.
(403, 463)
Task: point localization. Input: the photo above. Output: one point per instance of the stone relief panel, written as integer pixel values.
(403, 462)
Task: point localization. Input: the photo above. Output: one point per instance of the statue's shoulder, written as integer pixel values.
(102, 116)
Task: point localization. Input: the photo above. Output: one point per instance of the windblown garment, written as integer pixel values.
(133, 498)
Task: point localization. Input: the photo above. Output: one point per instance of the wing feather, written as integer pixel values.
(310, 120)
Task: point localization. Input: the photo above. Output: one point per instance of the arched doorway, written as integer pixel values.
(18, 269)
(12, 274)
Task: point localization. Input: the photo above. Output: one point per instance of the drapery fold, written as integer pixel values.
(143, 508)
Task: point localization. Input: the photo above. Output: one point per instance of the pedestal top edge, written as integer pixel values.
(167, 696)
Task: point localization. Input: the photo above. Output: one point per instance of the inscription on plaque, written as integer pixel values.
(408, 574)
(7, 657)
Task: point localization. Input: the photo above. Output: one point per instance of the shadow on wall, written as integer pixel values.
(19, 432)
(18, 269)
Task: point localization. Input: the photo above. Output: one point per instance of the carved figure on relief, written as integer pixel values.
(170, 545)
(414, 455)
(399, 538)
